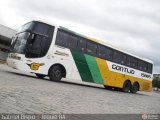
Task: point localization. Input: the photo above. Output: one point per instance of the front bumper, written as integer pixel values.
(16, 64)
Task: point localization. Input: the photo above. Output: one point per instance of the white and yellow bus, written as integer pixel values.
(57, 52)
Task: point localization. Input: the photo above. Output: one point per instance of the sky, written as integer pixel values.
(131, 25)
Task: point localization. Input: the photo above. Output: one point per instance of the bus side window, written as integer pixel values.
(46, 41)
(105, 52)
(145, 67)
(139, 65)
(109, 54)
(142, 65)
(101, 51)
(82, 45)
(72, 41)
(123, 58)
(150, 68)
(120, 57)
(132, 62)
(91, 48)
(115, 57)
(62, 38)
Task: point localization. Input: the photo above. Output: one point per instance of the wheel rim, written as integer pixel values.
(57, 73)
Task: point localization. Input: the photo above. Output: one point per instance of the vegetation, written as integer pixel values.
(156, 82)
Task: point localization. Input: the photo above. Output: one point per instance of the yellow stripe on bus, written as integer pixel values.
(109, 78)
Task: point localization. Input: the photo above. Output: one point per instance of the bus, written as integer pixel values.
(57, 52)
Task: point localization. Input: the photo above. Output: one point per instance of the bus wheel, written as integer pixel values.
(135, 87)
(56, 73)
(40, 76)
(126, 86)
(108, 87)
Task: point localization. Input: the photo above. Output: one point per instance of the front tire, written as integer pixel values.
(40, 76)
(56, 73)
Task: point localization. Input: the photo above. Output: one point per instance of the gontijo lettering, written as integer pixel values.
(122, 69)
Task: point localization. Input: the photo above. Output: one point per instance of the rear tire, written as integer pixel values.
(56, 73)
(126, 86)
(135, 87)
(40, 76)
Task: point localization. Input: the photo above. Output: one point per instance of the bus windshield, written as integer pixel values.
(27, 26)
(20, 41)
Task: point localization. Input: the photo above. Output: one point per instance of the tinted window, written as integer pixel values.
(119, 57)
(41, 28)
(34, 48)
(72, 41)
(109, 55)
(38, 47)
(142, 65)
(82, 44)
(104, 52)
(132, 62)
(150, 67)
(62, 38)
(101, 52)
(46, 41)
(145, 66)
(91, 48)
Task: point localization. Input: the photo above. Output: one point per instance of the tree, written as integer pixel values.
(156, 82)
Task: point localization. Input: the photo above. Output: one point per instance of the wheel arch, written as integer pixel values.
(62, 66)
(128, 81)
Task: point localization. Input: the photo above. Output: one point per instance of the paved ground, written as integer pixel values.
(21, 93)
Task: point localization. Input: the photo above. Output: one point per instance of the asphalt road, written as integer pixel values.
(20, 93)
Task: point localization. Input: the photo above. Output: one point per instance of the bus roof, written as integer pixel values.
(98, 41)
